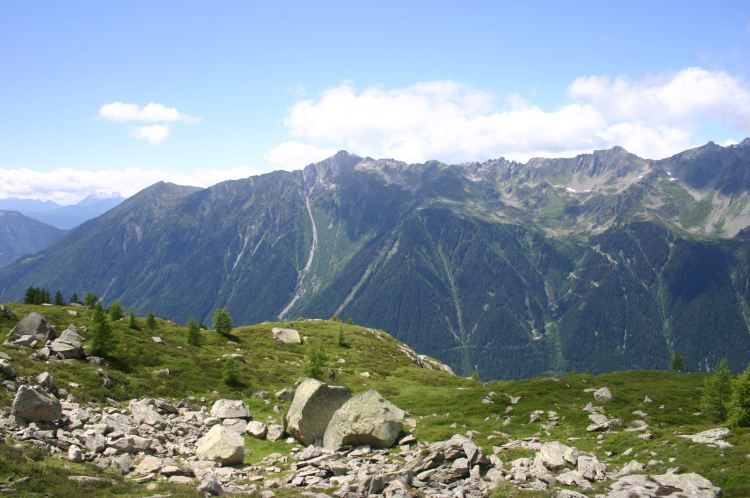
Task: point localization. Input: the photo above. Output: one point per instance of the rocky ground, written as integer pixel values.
(335, 443)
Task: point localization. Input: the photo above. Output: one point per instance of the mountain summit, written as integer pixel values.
(604, 261)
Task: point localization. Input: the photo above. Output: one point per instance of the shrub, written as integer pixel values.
(716, 393)
(678, 362)
(102, 339)
(222, 321)
(115, 311)
(739, 402)
(316, 361)
(151, 321)
(193, 333)
(132, 323)
(230, 376)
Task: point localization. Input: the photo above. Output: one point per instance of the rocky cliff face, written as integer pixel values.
(604, 261)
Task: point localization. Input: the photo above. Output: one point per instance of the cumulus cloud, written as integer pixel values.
(153, 134)
(294, 155)
(452, 121)
(69, 185)
(153, 112)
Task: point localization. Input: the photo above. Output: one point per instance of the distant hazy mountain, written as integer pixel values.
(27, 205)
(604, 261)
(21, 235)
(75, 214)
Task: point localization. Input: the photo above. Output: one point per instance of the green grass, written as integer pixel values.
(442, 404)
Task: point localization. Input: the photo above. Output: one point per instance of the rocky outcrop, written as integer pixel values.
(665, 485)
(33, 325)
(367, 418)
(69, 344)
(603, 395)
(287, 336)
(34, 405)
(221, 445)
(312, 407)
(711, 437)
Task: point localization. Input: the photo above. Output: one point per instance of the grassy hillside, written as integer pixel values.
(442, 404)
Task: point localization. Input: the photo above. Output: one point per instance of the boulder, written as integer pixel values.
(210, 486)
(35, 325)
(664, 485)
(367, 418)
(275, 431)
(131, 444)
(555, 455)
(603, 395)
(312, 407)
(34, 405)
(230, 408)
(285, 394)
(6, 369)
(591, 468)
(69, 344)
(711, 437)
(221, 445)
(6, 313)
(74, 454)
(45, 380)
(256, 429)
(143, 412)
(287, 336)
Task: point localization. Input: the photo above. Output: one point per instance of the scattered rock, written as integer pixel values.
(274, 432)
(230, 408)
(711, 437)
(603, 395)
(34, 405)
(285, 394)
(210, 486)
(555, 455)
(287, 336)
(46, 381)
(6, 369)
(257, 429)
(35, 325)
(367, 418)
(221, 445)
(75, 454)
(69, 344)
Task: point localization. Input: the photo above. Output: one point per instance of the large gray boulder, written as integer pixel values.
(230, 408)
(556, 455)
(69, 344)
(664, 485)
(6, 369)
(367, 418)
(34, 324)
(221, 445)
(34, 405)
(143, 412)
(287, 336)
(312, 407)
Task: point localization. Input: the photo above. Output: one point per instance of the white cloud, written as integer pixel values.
(452, 121)
(68, 185)
(294, 155)
(153, 134)
(153, 112)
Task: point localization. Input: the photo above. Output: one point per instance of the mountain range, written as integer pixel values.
(21, 235)
(605, 261)
(62, 216)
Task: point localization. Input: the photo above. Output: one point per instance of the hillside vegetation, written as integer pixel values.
(441, 403)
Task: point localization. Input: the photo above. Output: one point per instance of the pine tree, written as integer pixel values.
(151, 321)
(45, 296)
(115, 311)
(193, 333)
(74, 298)
(316, 361)
(30, 296)
(132, 323)
(230, 376)
(341, 339)
(102, 339)
(222, 321)
(739, 403)
(717, 392)
(678, 362)
(59, 299)
(90, 300)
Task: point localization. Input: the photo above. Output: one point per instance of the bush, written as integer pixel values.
(90, 300)
(102, 340)
(717, 392)
(222, 321)
(739, 402)
(341, 339)
(132, 323)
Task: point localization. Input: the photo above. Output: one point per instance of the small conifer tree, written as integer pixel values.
(739, 402)
(102, 339)
(132, 322)
(59, 299)
(90, 300)
(341, 339)
(74, 298)
(193, 333)
(678, 362)
(230, 376)
(316, 361)
(716, 393)
(115, 311)
(151, 321)
(222, 321)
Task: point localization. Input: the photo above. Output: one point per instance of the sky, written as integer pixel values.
(109, 97)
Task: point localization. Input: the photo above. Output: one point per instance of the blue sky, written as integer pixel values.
(245, 87)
